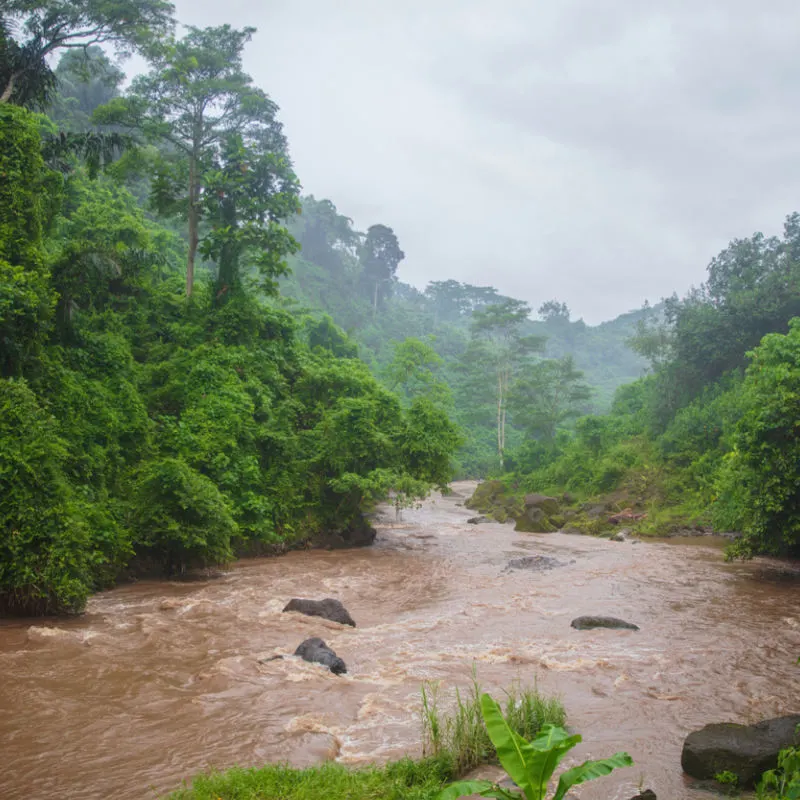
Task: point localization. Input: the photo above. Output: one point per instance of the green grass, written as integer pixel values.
(454, 741)
(402, 780)
(460, 734)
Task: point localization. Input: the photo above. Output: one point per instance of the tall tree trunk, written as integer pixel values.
(9, 90)
(194, 214)
(500, 443)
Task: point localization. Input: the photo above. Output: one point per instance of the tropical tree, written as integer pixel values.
(249, 192)
(414, 370)
(380, 255)
(758, 487)
(547, 395)
(195, 97)
(32, 30)
(500, 348)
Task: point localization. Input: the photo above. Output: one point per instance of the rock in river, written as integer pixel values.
(587, 623)
(745, 750)
(317, 652)
(327, 609)
(478, 520)
(535, 563)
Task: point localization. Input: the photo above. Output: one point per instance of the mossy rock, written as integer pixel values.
(534, 520)
(547, 504)
(526, 525)
(486, 495)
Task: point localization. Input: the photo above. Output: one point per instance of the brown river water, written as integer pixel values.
(159, 680)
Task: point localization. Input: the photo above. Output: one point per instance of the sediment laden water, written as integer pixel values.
(161, 680)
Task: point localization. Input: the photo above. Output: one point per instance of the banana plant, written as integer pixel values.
(530, 764)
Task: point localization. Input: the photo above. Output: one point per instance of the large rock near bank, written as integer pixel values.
(359, 534)
(316, 651)
(327, 609)
(587, 623)
(745, 750)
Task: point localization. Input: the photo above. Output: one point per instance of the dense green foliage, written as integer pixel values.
(710, 436)
(782, 783)
(141, 429)
(197, 362)
(450, 338)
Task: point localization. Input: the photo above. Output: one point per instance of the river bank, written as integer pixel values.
(160, 681)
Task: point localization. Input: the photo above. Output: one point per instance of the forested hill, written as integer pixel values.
(334, 273)
(354, 277)
(159, 409)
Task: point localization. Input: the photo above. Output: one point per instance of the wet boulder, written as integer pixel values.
(328, 608)
(316, 651)
(647, 794)
(589, 622)
(745, 750)
(478, 520)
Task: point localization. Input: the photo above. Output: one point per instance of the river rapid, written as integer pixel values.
(160, 680)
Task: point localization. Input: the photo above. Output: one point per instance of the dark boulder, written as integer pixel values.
(317, 652)
(745, 750)
(327, 609)
(587, 623)
(647, 794)
(478, 520)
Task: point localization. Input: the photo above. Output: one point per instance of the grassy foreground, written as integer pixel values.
(454, 742)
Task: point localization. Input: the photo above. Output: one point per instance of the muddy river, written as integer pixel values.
(158, 681)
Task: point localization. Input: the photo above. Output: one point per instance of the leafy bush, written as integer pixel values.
(54, 547)
(759, 483)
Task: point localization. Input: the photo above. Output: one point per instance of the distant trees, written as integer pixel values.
(547, 396)
(502, 350)
(553, 310)
(380, 255)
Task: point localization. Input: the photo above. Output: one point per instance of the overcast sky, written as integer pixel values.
(599, 153)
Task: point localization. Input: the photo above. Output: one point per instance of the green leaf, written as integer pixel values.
(463, 788)
(512, 750)
(549, 747)
(590, 770)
